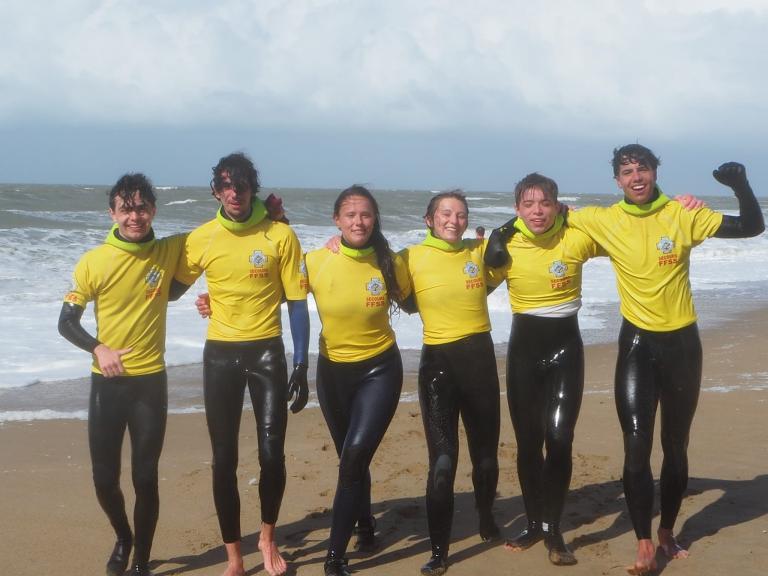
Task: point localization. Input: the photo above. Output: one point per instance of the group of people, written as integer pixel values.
(252, 262)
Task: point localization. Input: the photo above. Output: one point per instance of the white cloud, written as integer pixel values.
(673, 66)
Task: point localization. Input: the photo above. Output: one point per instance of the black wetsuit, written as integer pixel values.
(358, 400)
(140, 404)
(228, 368)
(459, 379)
(545, 381)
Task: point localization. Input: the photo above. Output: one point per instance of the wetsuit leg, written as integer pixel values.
(474, 363)
(358, 400)
(680, 384)
(224, 383)
(527, 401)
(268, 386)
(439, 400)
(545, 385)
(146, 426)
(637, 396)
(107, 422)
(565, 388)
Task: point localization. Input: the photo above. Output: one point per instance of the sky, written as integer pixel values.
(429, 94)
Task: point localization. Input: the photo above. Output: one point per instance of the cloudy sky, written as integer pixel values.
(396, 93)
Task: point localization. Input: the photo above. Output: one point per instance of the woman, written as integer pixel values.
(457, 373)
(359, 370)
(545, 357)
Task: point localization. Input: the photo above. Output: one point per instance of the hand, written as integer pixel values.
(203, 304)
(333, 244)
(298, 388)
(110, 361)
(731, 174)
(690, 202)
(275, 210)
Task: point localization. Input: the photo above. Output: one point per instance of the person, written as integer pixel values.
(649, 240)
(129, 279)
(359, 369)
(480, 232)
(250, 263)
(545, 354)
(457, 371)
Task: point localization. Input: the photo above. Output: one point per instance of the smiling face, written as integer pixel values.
(356, 218)
(537, 210)
(637, 181)
(134, 218)
(235, 198)
(449, 220)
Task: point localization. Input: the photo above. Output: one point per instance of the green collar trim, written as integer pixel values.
(440, 244)
(356, 253)
(258, 213)
(645, 209)
(554, 229)
(133, 247)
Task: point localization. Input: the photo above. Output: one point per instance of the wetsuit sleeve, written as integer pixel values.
(750, 220)
(177, 290)
(496, 251)
(298, 315)
(409, 304)
(292, 267)
(71, 329)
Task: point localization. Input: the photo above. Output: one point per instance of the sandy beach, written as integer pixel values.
(51, 522)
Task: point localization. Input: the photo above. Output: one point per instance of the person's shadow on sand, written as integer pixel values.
(402, 525)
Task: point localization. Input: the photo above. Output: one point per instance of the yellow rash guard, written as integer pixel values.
(249, 267)
(129, 284)
(650, 254)
(449, 285)
(352, 302)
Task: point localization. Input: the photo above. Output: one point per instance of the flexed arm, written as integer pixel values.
(496, 251)
(750, 221)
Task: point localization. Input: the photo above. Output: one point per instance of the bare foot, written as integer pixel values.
(273, 561)
(646, 558)
(234, 560)
(668, 543)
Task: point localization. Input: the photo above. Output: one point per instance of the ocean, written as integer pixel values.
(44, 229)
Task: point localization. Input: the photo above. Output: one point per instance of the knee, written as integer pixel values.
(441, 476)
(105, 478)
(637, 451)
(559, 444)
(353, 466)
(488, 466)
(272, 457)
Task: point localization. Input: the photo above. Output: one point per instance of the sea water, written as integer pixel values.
(45, 229)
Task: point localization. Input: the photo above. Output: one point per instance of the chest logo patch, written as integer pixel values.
(666, 245)
(376, 290)
(558, 268)
(258, 262)
(471, 269)
(152, 280)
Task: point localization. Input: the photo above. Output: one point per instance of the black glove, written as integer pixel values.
(298, 388)
(496, 251)
(733, 175)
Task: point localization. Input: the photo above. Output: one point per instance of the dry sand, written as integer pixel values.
(51, 523)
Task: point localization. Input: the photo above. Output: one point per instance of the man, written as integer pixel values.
(649, 240)
(130, 280)
(251, 263)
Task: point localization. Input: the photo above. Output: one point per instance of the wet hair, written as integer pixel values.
(437, 198)
(240, 170)
(480, 230)
(377, 241)
(128, 185)
(536, 180)
(634, 153)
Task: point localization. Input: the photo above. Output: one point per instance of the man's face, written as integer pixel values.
(134, 220)
(235, 199)
(537, 210)
(637, 181)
